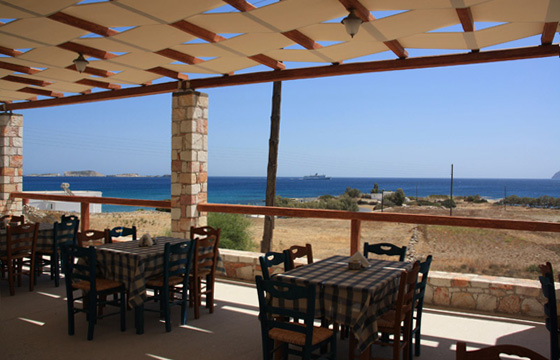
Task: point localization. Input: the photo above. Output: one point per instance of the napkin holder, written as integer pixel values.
(146, 241)
(357, 262)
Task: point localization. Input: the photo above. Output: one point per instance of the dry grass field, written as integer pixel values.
(468, 250)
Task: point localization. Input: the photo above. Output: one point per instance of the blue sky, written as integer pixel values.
(497, 120)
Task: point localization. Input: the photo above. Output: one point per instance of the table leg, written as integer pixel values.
(139, 319)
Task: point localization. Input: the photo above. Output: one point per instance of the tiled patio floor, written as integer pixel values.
(34, 326)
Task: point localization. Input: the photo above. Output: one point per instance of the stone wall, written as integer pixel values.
(486, 294)
(11, 160)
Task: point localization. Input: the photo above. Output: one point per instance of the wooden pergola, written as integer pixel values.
(134, 47)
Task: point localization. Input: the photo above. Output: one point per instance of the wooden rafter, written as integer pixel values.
(86, 50)
(268, 61)
(22, 80)
(93, 71)
(466, 18)
(82, 24)
(9, 52)
(169, 73)
(197, 31)
(307, 73)
(179, 56)
(36, 91)
(305, 41)
(18, 68)
(241, 5)
(99, 84)
(548, 33)
(363, 13)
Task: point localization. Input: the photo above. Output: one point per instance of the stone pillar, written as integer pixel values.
(11, 160)
(189, 161)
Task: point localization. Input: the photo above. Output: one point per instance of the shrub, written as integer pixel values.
(353, 193)
(235, 230)
(477, 199)
(449, 203)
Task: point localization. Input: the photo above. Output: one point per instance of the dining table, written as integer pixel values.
(44, 238)
(354, 298)
(133, 265)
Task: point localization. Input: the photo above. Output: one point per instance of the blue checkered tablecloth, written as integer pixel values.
(132, 265)
(355, 298)
(44, 238)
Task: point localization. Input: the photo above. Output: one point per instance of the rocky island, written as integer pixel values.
(556, 176)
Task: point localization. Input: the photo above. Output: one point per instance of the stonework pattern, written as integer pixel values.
(189, 156)
(11, 159)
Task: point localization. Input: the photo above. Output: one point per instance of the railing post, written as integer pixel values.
(355, 229)
(84, 211)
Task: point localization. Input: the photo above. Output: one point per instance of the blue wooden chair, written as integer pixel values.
(65, 217)
(174, 280)
(296, 338)
(550, 311)
(416, 323)
(80, 275)
(385, 249)
(271, 259)
(121, 231)
(64, 233)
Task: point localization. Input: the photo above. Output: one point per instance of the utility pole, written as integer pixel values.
(266, 243)
(451, 202)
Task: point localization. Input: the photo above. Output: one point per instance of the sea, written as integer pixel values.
(252, 190)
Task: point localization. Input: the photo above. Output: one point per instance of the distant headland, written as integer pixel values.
(92, 173)
(556, 176)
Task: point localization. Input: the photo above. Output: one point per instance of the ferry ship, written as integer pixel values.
(316, 177)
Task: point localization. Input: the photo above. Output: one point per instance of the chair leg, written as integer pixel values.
(31, 276)
(11, 278)
(19, 270)
(210, 294)
(70, 306)
(197, 298)
(56, 266)
(123, 309)
(165, 304)
(92, 314)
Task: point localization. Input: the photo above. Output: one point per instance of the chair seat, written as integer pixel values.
(386, 323)
(44, 252)
(319, 334)
(158, 282)
(101, 284)
(16, 256)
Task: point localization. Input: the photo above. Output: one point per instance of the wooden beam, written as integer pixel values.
(93, 71)
(169, 73)
(307, 73)
(355, 236)
(197, 31)
(9, 52)
(86, 50)
(241, 5)
(466, 18)
(98, 84)
(179, 56)
(82, 24)
(268, 61)
(18, 68)
(360, 10)
(302, 39)
(36, 91)
(548, 33)
(396, 48)
(22, 80)
(384, 217)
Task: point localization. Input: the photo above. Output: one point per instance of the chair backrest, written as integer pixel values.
(422, 282)
(206, 249)
(276, 302)
(65, 217)
(12, 220)
(79, 264)
(93, 237)
(493, 352)
(546, 268)
(21, 240)
(405, 296)
(121, 231)
(551, 312)
(178, 260)
(297, 251)
(271, 259)
(65, 232)
(385, 249)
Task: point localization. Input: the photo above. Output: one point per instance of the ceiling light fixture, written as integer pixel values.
(81, 63)
(352, 23)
